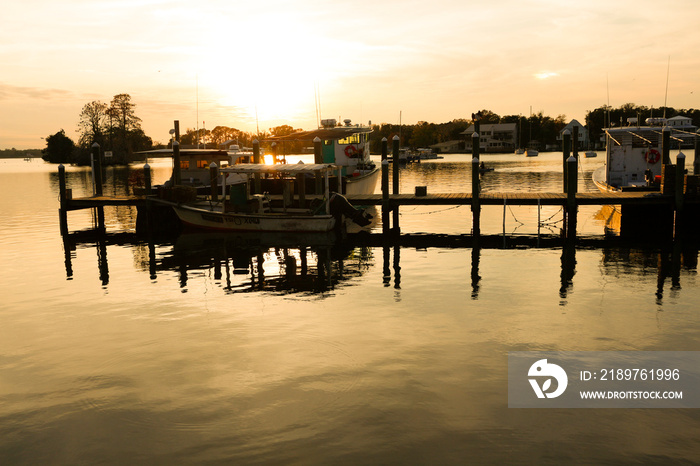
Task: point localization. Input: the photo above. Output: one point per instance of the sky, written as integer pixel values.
(264, 63)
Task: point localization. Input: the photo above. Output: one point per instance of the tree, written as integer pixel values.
(93, 124)
(59, 148)
(122, 122)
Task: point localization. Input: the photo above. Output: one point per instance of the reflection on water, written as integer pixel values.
(227, 349)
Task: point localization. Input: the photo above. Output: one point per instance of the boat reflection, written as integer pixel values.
(318, 263)
(276, 263)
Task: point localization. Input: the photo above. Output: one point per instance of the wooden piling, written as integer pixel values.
(395, 182)
(62, 196)
(318, 158)
(385, 186)
(147, 179)
(566, 148)
(680, 184)
(696, 159)
(256, 159)
(476, 187)
(571, 188)
(214, 181)
(177, 177)
(97, 169)
(666, 145)
(574, 141)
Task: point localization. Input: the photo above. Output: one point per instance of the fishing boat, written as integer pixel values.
(346, 146)
(632, 159)
(590, 154)
(237, 210)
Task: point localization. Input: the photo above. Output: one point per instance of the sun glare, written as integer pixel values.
(268, 76)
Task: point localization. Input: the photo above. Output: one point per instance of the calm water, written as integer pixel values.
(197, 351)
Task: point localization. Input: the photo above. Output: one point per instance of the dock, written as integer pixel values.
(663, 214)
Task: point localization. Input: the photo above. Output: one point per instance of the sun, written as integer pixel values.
(268, 77)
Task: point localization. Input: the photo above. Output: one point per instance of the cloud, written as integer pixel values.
(11, 92)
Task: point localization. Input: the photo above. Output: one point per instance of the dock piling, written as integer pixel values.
(395, 183)
(385, 186)
(147, 179)
(62, 195)
(571, 210)
(476, 187)
(177, 177)
(666, 145)
(214, 181)
(318, 158)
(679, 194)
(566, 150)
(256, 159)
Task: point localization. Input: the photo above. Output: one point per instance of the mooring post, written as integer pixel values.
(147, 179)
(318, 158)
(395, 182)
(476, 187)
(63, 200)
(177, 178)
(256, 151)
(256, 159)
(214, 181)
(97, 168)
(680, 184)
(666, 145)
(696, 159)
(385, 186)
(566, 148)
(571, 188)
(574, 141)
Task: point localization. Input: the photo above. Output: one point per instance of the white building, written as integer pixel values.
(493, 137)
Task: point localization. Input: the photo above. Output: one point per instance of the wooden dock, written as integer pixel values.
(648, 212)
(514, 199)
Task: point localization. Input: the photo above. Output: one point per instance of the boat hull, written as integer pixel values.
(267, 222)
(363, 184)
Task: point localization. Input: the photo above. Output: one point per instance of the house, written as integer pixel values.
(583, 137)
(448, 147)
(493, 137)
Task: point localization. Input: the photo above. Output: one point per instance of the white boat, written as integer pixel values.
(239, 211)
(632, 159)
(531, 152)
(427, 154)
(346, 146)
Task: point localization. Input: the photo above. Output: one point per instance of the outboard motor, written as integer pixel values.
(341, 206)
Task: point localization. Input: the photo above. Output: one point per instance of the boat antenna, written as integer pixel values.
(257, 124)
(668, 71)
(196, 94)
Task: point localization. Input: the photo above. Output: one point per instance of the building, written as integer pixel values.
(583, 137)
(448, 147)
(493, 137)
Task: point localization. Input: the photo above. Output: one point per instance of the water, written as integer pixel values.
(192, 351)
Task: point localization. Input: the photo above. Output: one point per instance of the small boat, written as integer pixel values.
(484, 169)
(531, 152)
(346, 146)
(257, 213)
(590, 154)
(519, 151)
(427, 154)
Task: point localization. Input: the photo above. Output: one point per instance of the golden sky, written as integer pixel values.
(246, 63)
